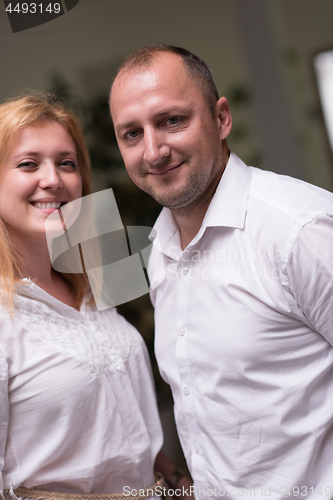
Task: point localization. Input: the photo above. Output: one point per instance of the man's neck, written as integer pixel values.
(190, 218)
(189, 224)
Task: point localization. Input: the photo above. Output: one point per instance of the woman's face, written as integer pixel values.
(40, 174)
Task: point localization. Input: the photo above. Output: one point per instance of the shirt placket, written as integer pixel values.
(185, 269)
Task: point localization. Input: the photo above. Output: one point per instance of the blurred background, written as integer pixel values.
(261, 53)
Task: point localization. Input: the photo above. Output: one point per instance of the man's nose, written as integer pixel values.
(50, 177)
(156, 148)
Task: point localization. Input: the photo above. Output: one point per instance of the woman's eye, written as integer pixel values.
(27, 164)
(68, 164)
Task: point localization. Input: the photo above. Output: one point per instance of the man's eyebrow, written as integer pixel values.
(171, 110)
(125, 125)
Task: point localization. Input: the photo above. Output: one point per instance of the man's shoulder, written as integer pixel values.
(289, 196)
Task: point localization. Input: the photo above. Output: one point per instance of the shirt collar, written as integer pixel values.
(28, 288)
(227, 208)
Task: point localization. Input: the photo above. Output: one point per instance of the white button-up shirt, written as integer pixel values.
(77, 403)
(244, 333)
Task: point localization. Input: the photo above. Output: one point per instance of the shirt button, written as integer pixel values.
(184, 270)
(182, 331)
(196, 449)
(186, 390)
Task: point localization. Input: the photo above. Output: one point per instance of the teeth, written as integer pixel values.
(47, 205)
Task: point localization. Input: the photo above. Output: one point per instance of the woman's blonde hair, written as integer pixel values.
(14, 115)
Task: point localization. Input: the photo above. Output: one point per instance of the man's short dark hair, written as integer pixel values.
(193, 65)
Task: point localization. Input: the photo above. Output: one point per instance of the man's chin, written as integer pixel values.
(175, 202)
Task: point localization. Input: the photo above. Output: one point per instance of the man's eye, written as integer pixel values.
(173, 120)
(132, 134)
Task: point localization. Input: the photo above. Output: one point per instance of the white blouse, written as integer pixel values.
(77, 404)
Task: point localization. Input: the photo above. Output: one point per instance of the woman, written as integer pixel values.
(77, 405)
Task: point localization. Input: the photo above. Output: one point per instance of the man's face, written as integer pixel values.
(169, 140)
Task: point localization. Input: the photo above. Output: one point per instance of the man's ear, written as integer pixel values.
(223, 116)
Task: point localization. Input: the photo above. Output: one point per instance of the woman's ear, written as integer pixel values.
(223, 116)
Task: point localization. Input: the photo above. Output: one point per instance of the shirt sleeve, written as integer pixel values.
(4, 412)
(310, 270)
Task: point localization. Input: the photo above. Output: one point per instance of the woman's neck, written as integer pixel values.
(35, 264)
(34, 258)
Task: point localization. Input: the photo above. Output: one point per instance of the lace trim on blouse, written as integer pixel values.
(101, 340)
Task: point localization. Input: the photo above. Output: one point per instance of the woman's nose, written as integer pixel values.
(50, 177)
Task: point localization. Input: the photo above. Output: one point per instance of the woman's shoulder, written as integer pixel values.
(7, 331)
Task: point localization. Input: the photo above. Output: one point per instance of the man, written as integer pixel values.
(244, 316)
